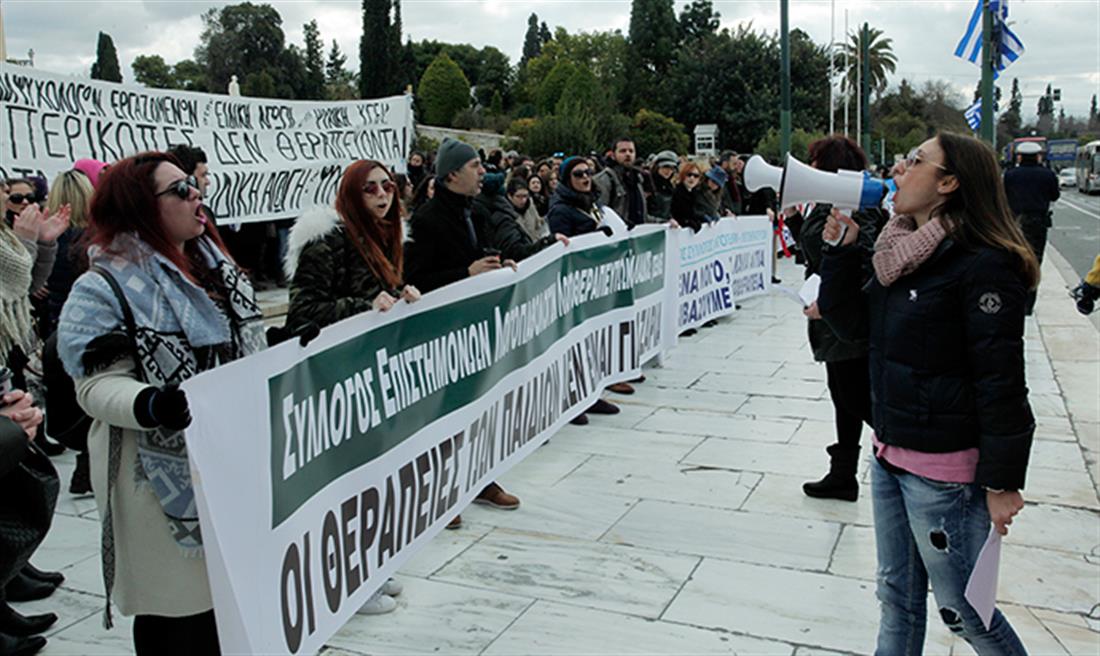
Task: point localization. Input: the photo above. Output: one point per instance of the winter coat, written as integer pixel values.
(496, 222)
(532, 222)
(328, 277)
(827, 346)
(1030, 190)
(441, 249)
(610, 186)
(568, 215)
(660, 203)
(67, 267)
(946, 354)
(690, 208)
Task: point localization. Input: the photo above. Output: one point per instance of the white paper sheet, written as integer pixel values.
(981, 589)
(810, 290)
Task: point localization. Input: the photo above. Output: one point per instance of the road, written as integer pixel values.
(1076, 231)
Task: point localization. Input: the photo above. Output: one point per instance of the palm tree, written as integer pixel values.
(881, 56)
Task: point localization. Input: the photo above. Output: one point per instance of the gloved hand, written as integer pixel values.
(164, 407)
(1086, 296)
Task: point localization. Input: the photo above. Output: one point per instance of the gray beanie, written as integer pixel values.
(667, 158)
(453, 155)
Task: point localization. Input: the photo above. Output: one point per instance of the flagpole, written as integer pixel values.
(989, 56)
(847, 82)
(859, 89)
(832, 74)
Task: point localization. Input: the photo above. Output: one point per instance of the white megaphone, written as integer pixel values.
(798, 183)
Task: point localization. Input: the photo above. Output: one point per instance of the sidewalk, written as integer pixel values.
(679, 526)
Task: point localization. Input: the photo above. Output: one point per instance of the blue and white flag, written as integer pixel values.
(973, 115)
(1009, 46)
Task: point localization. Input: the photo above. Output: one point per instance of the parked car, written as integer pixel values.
(1067, 177)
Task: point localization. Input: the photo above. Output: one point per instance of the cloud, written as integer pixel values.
(1062, 37)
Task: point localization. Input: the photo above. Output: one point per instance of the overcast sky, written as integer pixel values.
(1062, 37)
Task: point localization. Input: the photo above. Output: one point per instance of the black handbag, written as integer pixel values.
(28, 496)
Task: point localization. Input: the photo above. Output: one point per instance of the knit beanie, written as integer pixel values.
(91, 168)
(565, 171)
(492, 183)
(666, 158)
(453, 155)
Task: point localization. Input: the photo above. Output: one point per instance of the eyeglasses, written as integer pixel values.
(581, 173)
(181, 188)
(914, 158)
(17, 199)
(372, 187)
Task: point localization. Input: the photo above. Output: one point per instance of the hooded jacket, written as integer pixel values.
(571, 214)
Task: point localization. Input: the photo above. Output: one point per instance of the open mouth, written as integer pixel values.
(200, 216)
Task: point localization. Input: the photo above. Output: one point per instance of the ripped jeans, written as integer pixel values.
(928, 530)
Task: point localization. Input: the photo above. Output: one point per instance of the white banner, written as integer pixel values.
(321, 470)
(268, 159)
(722, 264)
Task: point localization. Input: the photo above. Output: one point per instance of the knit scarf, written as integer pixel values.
(16, 268)
(902, 247)
(181, 331)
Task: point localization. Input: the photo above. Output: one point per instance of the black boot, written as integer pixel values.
(23, 588)
(15, 624)
(47, 446)
(840, 483)
(81, 482)
(57, 578)
(13, 646)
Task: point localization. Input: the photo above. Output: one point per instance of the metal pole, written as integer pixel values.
(865, 87)
(847, 82)
(832, 76)
(785, 82)
(989, 56)
(859, 87)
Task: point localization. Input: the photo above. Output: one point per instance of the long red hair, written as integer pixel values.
(125, 201)
(377, 240)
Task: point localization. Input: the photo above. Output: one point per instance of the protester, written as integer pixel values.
(620, 184)
(539, 198)
(23, 530)
(714, 181)
(689, 208)
(846, 365)
(953, 427)
(730, 200)
(72, 189)
(424, 192)
(346, 260)
(171, 294)
(663, 171)
(444, 248)
(417, 171)
(1031, 189)
(527, 216)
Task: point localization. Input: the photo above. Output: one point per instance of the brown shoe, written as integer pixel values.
(579, 420)
(639, 379)
(621, 388)
(495, 496)
(601, 407)
(454, 523)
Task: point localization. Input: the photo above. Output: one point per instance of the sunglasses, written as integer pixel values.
(693, 175)
(581, 173)
(17, 199)
(181, 188)
(914, 158)
(372, 187)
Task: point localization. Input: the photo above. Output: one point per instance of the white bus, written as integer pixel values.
(1088, 167)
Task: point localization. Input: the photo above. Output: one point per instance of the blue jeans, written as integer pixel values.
(928, 530)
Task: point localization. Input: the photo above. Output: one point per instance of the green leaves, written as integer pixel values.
(443, 92)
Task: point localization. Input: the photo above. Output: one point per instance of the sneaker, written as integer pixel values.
(378, 604)
(579, 420)
(621, 388)
(601, 407)
(454, 523)
(392, 587)
(495, 496)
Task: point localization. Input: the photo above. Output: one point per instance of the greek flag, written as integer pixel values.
(973, 115)
(1009, 46)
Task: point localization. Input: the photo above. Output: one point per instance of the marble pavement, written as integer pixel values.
(679, 525)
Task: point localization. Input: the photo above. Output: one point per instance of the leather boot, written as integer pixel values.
(29, 570)
(81, 482)
(24, 588)
(840, 483)
(19, 646)
(13, 623)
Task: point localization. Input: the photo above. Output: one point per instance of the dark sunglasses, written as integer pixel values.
(372, 187)
(17, 199)
(181, 188)
(581, 173)
(692, 175)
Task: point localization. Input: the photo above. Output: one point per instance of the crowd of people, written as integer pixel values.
(118, 285)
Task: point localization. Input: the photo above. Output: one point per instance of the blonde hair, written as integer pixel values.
(74, 189)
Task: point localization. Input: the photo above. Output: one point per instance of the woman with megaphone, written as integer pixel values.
(953, 427)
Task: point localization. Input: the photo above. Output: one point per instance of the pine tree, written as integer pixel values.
(699, 19)
(375, 68)
(443, 91)
(532, 44)
(654, 37)
(106, 60)
(400, 74)
(334, 67)
(1094, 117)
(545, 35)
(314, 84)
(1046, 113)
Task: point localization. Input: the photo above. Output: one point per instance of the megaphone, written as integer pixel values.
(798, 183)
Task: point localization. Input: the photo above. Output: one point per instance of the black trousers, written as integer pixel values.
(850, 389)
(156, 635)
(1035, 229)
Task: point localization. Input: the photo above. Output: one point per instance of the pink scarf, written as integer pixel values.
(902, 247)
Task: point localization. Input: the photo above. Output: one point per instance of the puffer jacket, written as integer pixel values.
(497, 223)
(946, 354)
(329, 279)
(568, 215)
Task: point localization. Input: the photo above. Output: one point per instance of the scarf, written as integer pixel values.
(902, 247)
(16, 269)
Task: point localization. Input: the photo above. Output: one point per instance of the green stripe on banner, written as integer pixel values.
(376, 390)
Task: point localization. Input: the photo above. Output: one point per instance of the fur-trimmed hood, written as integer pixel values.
(314, 224)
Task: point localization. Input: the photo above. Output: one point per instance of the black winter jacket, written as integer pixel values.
(692, 208)
(946, 354)
(497, 224)
(568, 214)
(440, 250)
